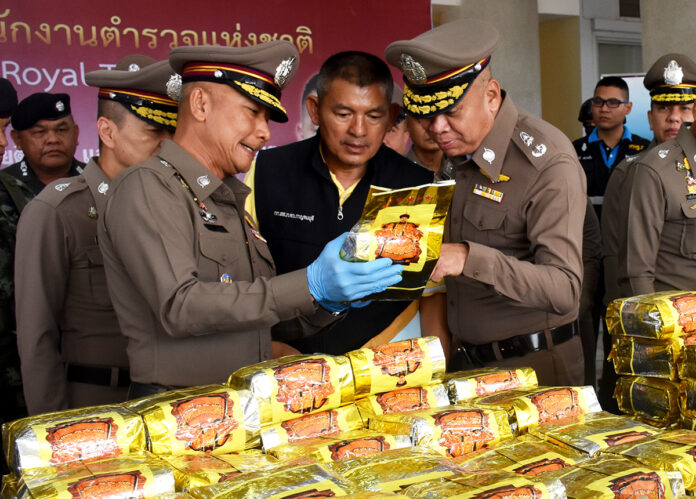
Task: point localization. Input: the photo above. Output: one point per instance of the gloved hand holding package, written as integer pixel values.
(406, 226)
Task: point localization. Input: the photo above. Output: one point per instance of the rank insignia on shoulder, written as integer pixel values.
(539, 150)
(226, 278)
(62, 187)
(662, 153)
(489, 193)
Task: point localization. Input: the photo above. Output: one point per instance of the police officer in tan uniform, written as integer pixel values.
(71, 349)
(192, 280)
(657, 248)
(512, 252)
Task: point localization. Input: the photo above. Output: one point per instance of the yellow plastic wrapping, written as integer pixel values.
(656, 315)
(595, 432)
(394, 470)
(405, 225)
(669, 451)
(318, 424)
(134, 476)
(203, 419)
(200, 470)
(347, 445)
(466, 385)
(613, 477)
(289, 387)
(451, 431)
(652, 399)
(494, 484)
(404, 400)
(532, 406)
(687, 361)
(402, 364)
(59, 438)
(645, 357)
(312, 480)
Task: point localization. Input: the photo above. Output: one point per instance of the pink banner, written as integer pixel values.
(48, 46)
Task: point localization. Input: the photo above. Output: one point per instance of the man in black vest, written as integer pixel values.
(307, 193)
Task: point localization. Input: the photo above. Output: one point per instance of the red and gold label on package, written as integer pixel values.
(402, 364)
(466, 385)
(213, 419)
(404, 400)
(638, 482)
(318, 424)
(61, 438)
(293, 386)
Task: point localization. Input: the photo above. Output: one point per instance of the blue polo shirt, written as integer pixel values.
(609, 155)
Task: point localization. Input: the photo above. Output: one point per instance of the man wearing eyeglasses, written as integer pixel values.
(610, 141)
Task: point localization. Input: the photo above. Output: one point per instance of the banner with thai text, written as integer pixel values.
(48, 46)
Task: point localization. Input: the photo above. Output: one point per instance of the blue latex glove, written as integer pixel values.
(332, 279)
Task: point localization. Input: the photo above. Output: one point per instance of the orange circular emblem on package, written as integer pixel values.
(304, 385)
(399, 359)
(204, 422)
(82, 440)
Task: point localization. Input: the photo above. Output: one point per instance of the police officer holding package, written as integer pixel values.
(657, 249)
(192, 280)
(71, 348)
(511, 257)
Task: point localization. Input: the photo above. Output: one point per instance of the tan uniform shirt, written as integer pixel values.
(614, 225)
(659, 250)
(165, 264)
(64, 314)
(524, 269)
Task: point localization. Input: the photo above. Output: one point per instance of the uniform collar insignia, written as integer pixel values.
(103, 188)
(662, 153)
(62, 187)
(488, 155)
(527, 139)
(203, 180)
(673, 74)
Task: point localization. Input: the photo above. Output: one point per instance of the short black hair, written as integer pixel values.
(359, 68)
(613, 81)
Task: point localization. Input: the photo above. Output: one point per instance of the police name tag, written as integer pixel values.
(487, 192)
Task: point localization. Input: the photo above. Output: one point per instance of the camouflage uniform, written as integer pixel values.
(13, 196)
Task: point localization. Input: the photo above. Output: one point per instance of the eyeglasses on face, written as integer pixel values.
(611, 103)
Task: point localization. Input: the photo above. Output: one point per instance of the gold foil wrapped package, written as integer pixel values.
(137, 476)
(402, 364)
(394, 470)
(59, 438)
(311, 480)
(405, 225)
(687, 361)
(452, 431)
(9, 487)
(205, 419)
(200, 470)
(645, 357)
(404, 400)
(292, 386)
(617, 477)
(595, 432)
(488, 484)
(687, 400)
(318, 424)
(652, 399)
(466, 385)
(347, 445)
(541, 405)
(656, 315)
(669, 451)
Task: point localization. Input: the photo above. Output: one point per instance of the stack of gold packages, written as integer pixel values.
(648, 344)
(532, 406)
(212, 419)
(608, 476)
(687, 384)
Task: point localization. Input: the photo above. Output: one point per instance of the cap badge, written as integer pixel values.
(662, 153)
(527, 139)
(60, 107)
(92, 212)
(283, 71)
(103, 188)
(174, 85)
(539, 150)
(133, 67)
(218, 73)
(203, 180)
(413, 69)
(488, 155)
(673, 73)
(62, 187)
